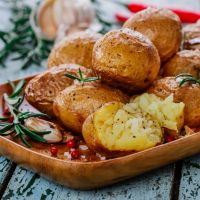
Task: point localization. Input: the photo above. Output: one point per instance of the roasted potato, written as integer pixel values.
(42, 89)
(189, 94)
(76, 48)
(126, 59)
(161, 26)
(74, 104)
(128, 127)
(191, 34)
(186, 61)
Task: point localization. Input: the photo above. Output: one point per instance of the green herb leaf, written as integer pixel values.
(187, 78)
(72, 76)
(91, 79)
(11, 84)
(33, 135)
(21, 134)
(9, 133)
(184, 75)
(27, 115)
(6, 128)
(18, 88)
(4, 119)
(81, 77)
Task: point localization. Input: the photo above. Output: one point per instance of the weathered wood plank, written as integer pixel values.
(5, 170)
(190, 181)
(154, 185)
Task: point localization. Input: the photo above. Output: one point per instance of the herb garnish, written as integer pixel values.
(13, 124)
(82, 79)
(23, 38)
(187, 78)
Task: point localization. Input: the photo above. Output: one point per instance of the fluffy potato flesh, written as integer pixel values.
(169, 114)
(120, 127)
(131, 127)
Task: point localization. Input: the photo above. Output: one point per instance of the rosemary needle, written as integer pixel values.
(14, 124)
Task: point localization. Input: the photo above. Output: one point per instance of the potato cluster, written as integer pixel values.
(103, 72)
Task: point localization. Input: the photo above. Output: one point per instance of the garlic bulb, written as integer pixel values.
(37, 124)
(58, 18)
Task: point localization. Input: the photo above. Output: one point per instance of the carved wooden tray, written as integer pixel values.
(89, 175)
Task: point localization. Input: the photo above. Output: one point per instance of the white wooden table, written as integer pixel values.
(176, 181)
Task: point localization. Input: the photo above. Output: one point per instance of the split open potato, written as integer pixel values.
(161, 26)
(188, 93)
(134, 126)
(74, 104)
(126, 59)
(76, 48)
(42, 89)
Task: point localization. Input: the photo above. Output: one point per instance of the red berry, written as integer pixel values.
(54, 151)
(169, 138)
(75, 154)
(71, 143)
(11, 119)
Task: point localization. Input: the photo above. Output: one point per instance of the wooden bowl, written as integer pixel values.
(90, 175)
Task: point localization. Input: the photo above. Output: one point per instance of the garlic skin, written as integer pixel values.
(58, 18)
(37, 124)
(72, 16)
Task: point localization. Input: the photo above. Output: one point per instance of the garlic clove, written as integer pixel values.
(46, 20)
(37, 124)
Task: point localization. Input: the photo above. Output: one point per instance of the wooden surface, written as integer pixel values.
(180, 181)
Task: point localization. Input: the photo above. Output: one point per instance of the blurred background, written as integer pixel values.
(106, 11)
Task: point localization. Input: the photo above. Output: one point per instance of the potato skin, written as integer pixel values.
(189, 94)
(126, 59)
(186, 61)
(74, 104)
(76, 48)
(42, 89)
(191, 33)
(90, 135)
(161, 26)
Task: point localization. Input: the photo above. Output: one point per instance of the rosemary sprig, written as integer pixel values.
(14, 123)
(187, 78)
(23, 39)
(82, 79)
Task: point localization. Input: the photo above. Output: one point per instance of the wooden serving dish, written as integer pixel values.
(89, 175)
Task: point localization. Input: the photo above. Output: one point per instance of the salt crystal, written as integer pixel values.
(83, 147)
(67, 155)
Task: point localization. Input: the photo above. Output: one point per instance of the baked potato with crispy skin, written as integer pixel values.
(191, 34)
(189, 94)
(161, 26)
(186, 61)
(42, 89)
(74, 104)
(76, 48)
(128, 127)
(126, 59)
